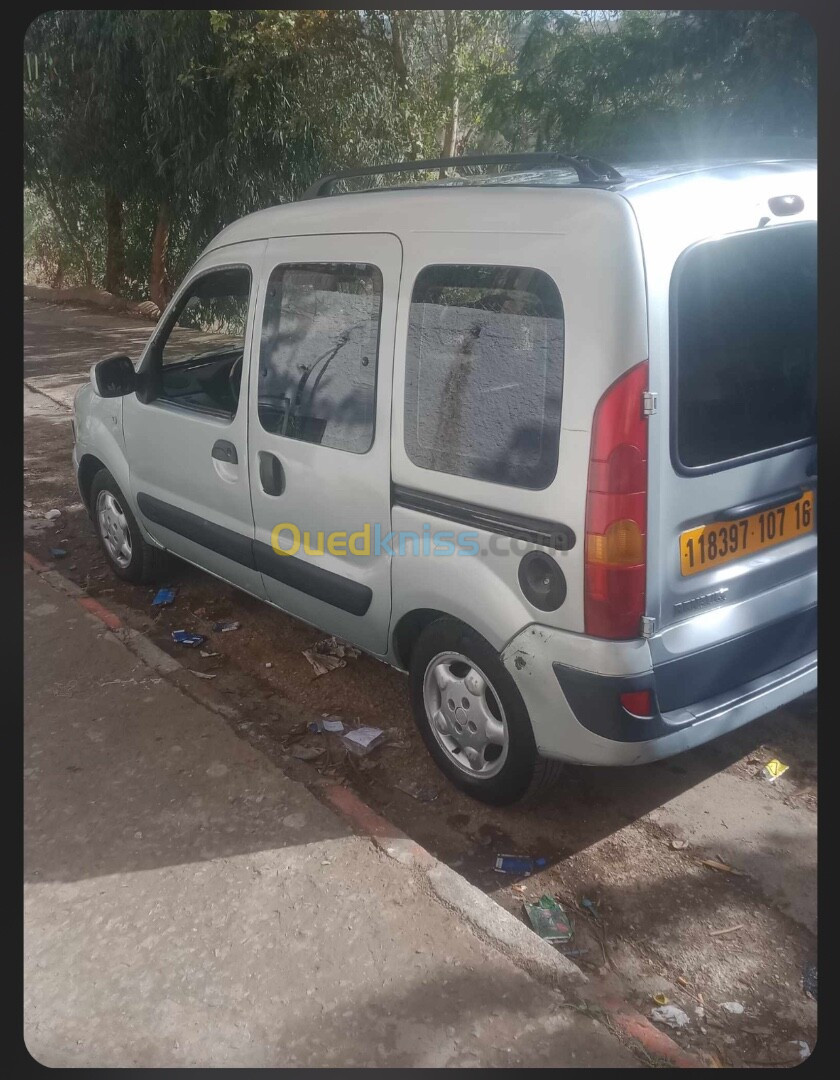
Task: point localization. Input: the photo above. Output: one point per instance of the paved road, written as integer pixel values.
(186, 904)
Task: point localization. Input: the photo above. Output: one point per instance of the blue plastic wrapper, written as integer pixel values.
(163, 597)
(518, 864)
(184, 637)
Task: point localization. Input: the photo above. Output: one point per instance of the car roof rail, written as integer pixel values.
(589, 169)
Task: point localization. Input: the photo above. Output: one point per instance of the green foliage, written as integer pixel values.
(189, 119)
(663, 80)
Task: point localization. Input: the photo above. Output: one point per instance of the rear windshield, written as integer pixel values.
(744, 317)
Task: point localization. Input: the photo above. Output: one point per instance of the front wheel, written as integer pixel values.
(472, 717)
(129, 556)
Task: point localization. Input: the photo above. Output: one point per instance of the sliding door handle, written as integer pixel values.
(272, 477)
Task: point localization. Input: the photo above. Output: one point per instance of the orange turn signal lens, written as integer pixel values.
(621, 545)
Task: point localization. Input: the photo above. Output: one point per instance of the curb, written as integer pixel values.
(34, 564)
(636, 1026)
(504, 931)
(489, 920)
(94, 300)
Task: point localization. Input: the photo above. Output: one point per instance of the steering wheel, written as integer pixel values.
(235, 378)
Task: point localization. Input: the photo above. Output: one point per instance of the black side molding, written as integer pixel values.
(324, 585)
(313, 580)
(533, 530)
(232, 545)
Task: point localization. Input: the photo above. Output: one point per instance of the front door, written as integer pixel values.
(319, 435)
(186, 431)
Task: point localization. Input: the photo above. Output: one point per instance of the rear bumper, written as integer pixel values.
(691, 689)
(577, 714)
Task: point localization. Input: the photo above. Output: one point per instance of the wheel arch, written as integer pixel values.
(89, 466)
(408, 629)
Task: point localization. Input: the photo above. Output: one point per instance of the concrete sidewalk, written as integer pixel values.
(186, 904)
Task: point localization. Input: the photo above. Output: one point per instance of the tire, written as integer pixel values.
(138, 562)
(508, 769)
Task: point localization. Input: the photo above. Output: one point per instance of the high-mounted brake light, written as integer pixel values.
(616, 510)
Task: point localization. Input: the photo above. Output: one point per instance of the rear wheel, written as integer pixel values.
(472, 716)
(129, 556)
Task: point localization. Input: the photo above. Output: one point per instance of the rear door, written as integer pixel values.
(734, 471)
(319, 431)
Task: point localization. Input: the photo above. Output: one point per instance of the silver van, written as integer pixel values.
(544, 439)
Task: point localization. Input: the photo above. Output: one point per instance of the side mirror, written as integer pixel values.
(114, 376)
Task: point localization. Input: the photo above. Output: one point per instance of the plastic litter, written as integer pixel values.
(58, 553)
(591, 906)
(186, 637)
(329, 654)
(225, 625)
(323, 664)
(725, 868)
(773, 770)
(809, 980)
(332, 724)
(362, 740)
(550, 920)
(52, 514)
(307, 753)
(803, 1048)
(163, 597)
(422, 793)
(207, 655)
(520, 865)
(660, 999)
(203, 674)
(671, 1016)
(735, 1008)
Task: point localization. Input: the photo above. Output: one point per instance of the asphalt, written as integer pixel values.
(187, 904)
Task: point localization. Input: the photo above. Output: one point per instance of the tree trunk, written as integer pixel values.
(450, 135)
(401, 70)
(160, 288)
(115, 244)
(451, 21)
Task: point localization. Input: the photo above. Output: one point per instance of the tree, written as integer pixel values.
(662, 79)
(82, 103)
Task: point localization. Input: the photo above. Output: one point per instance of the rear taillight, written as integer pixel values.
(616, 511)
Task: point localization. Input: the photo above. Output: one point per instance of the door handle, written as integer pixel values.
(225, 451)
(272, 477)
(770, 503)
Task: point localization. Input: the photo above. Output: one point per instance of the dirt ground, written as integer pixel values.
(629, 840)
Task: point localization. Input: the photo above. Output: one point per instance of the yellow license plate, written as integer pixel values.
(720, 542)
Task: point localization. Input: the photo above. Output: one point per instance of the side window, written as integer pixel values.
(318, 354)
(484, 373)
(201, 350)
